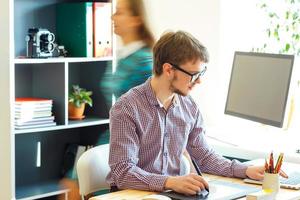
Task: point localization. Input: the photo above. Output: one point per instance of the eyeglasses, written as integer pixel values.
(194, 76)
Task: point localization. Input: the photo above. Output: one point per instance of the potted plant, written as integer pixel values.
(78, 97)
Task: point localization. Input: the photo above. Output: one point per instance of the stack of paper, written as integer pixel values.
(33, 113)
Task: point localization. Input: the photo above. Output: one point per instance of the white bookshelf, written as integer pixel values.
(92, 121)
(6, 138)
(59, 60)
(49, 78)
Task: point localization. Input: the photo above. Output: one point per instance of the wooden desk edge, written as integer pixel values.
(138, 194)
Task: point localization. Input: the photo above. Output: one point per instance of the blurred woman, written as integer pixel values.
(134, 65)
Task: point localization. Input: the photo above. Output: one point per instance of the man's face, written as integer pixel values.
(186, 76)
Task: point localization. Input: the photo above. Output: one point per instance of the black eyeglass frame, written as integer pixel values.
(194, 76)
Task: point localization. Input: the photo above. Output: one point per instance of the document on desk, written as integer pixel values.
(218, 190)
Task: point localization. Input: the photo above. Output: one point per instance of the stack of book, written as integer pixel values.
(33, 113)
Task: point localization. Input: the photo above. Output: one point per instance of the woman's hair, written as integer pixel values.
(138, 9)
(177, 48)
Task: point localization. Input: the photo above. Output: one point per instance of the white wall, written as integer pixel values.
(6, 169)
(202, 19)
(241, 29)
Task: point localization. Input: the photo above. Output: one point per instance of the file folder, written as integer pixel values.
(102, 29)
(74, 28)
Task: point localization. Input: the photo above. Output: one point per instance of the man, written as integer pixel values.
(153, 124)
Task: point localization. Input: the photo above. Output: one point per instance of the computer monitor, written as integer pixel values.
(259, 87)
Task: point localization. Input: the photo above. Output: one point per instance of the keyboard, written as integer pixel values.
(294, 179)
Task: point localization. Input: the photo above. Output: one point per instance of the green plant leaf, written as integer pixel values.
(79, 96)
(276, 35)
(287, 47)
(271, 15)
(287, 14)
(295, 15)
(269, 32)
(263, 5)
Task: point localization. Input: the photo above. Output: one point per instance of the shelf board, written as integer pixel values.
(40, 190)
(89, 121)
(59, 60)
(109, 58)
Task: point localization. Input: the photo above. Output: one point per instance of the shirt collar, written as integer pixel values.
(130, 48)
(153, 99)
(174, 101)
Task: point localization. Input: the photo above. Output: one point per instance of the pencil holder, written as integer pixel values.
(271, 181)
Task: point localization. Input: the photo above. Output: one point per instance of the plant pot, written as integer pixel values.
(75, 112)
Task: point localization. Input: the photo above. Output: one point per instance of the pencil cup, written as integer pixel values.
(271, 181)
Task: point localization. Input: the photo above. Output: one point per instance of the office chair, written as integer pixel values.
(92, 169)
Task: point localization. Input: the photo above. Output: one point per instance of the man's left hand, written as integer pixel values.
(257, 172)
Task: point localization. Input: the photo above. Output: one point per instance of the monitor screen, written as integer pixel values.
(259, 87)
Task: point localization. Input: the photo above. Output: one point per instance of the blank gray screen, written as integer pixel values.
(259, 87)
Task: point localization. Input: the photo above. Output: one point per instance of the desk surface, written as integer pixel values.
(136, 194)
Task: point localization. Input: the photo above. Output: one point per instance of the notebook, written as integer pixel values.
(218, 190)
(291, 169)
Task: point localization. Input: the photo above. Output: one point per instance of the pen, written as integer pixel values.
(266, 166)
(279, 162)
(198, 170)
(271, 163)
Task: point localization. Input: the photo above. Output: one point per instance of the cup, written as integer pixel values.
(271, 181)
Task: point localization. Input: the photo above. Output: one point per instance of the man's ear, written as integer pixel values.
(167, 69)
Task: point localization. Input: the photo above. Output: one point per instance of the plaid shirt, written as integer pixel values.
(147, 142)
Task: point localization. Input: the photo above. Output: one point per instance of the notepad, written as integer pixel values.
(218, 190)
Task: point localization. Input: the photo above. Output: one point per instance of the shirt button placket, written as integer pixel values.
(165, 161)
(165, 147)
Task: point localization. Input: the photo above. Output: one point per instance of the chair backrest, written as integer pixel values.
(92, 169)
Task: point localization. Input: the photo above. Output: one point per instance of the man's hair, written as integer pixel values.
(177, 48)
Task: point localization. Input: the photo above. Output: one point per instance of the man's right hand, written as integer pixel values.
(189, 184)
